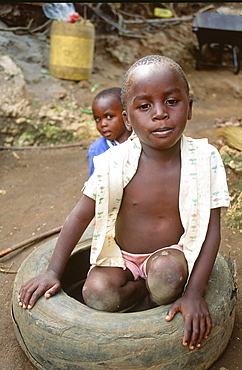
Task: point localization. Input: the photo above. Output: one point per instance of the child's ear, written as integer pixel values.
(189, 115)
(126, 121)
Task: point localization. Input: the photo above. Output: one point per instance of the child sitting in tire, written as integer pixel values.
(107, 112)
(157, 200)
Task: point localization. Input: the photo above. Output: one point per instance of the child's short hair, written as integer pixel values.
(151, 59)
(112, 91)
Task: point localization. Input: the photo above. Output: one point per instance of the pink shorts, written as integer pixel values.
(136, 263)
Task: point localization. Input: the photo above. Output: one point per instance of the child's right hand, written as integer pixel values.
(46, 283)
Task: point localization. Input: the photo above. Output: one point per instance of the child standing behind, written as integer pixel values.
(107, 112)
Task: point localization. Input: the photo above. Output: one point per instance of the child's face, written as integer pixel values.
(158, 106)
(107, 112)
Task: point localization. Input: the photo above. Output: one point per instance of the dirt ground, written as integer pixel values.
(39, 187)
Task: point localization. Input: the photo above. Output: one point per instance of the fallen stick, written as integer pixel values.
(8, 271)
(60, 146)
(25, 243)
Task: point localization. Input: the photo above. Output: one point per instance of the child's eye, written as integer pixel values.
(109, 116)
(144, 106)
(97, 119)
(172, 101)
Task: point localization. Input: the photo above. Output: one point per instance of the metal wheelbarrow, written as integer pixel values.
(219, 36)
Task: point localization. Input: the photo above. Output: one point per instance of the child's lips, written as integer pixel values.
(162, 131)
(106, 133)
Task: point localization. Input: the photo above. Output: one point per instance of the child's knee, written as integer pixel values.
(100, 295)
(166, 276)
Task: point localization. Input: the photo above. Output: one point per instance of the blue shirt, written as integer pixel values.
(99, 146)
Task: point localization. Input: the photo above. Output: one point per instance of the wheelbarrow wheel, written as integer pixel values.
(62, 333)
(236, 57)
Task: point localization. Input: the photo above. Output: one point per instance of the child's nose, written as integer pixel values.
(160, 112)
(103, 122)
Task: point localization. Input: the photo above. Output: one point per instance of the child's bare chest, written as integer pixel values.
(150, 203)
(154, 188)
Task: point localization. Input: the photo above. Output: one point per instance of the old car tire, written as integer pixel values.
(61, 333)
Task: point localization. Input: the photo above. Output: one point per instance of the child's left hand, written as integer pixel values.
(197, 320)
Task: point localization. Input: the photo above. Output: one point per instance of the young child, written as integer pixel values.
(157, 200)
(107, 112)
